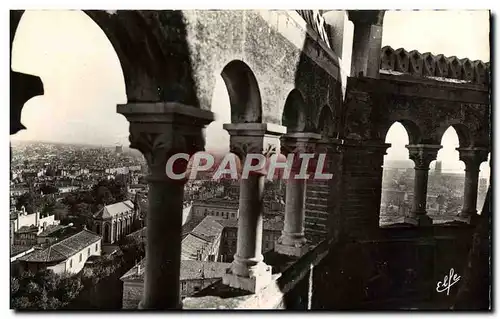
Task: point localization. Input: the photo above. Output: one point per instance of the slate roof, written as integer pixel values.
(190, 269)
(63, 249)
(109, 211)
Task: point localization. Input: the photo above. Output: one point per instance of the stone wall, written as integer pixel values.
(400, 270)
(275, 45)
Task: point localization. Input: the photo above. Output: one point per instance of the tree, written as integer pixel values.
(48, 189)
(20, 303)
(68, 289)
(103, 196)
(14, 286)
(30, 202)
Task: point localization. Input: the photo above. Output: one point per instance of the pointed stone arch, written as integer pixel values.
(412, 129)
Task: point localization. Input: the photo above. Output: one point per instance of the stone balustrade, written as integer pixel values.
(430, 65)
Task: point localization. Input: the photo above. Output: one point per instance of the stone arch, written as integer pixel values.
(325, 122)
(463, 132)
(156, 66)
(244, 93)
(397, 176)
(413, 130)
(294, 117)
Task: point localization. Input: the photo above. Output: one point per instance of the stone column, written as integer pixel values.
(292, 241)
(160, 130)
(422, 155)
(367, 42)
(248, 270)
(472, 157)
(361, 187)
(333, 165)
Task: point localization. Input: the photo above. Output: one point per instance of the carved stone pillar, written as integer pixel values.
(160, 130)
(292, 241)
(422, 155)
(248, 270)
(472, 157)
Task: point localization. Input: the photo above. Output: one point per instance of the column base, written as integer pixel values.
(254, 283)
(424, 220)
(402, 222)
(141, 306)
(469, 219)
(296, 251)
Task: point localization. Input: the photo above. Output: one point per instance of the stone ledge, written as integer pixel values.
(433, 90)
(289, 272)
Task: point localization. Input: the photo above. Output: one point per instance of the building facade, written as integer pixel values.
(66, 256)
(115, 221)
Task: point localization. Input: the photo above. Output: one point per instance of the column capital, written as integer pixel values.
(302, 142)
(160, 129)
(473, 157)
(423, 154)
(254, 138)
(366, 17)
(329, 145)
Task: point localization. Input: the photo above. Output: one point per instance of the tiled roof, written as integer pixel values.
(17, 249)
(27, 229)
(269, 224)
(230, 223)
(208, 227)
(273, 224)
(190, 269)
(191, 244)
(138, 234)
(51, 229)
(190, 225)
(63, 249)
(112, 210)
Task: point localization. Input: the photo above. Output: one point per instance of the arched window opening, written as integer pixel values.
(294, 112)
(244, 93)
(79, 101)
(484, 183)
(445, 188)
(216, 137)
(398, 177)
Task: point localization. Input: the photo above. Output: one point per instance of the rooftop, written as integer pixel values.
(110, 211)
(18, 249)
(190, 269)
(63, 249)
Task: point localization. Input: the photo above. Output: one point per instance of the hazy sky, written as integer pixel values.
(83, 80)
